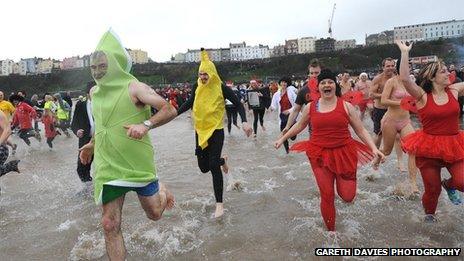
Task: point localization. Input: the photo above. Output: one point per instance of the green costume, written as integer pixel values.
(119, 161)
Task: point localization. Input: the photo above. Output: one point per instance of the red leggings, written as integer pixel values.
(346, 189)
(430, 171)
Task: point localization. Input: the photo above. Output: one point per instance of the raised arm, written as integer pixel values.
(386, 94)
(411, 87)
(459, 87)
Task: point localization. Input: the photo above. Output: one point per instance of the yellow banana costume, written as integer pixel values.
(209, 106)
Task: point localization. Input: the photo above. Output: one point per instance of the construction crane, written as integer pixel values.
(331, 20)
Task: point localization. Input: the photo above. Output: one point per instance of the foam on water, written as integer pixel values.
(88, 247)
(66, 225)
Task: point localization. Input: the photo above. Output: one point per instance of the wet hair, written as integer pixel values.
(388, 59)
(426, 74)
(314, 63)
(97, 54)
(287, 80)
(16, 97)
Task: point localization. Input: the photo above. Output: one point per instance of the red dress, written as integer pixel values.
(440, 137)
(331, 144)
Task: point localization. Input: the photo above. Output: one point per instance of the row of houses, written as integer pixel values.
(33, 66)
(418, 32)
(242, 51)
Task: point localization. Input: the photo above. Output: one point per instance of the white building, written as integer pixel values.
(179, 58)
(446, 29)
(192, 56)
(409, 32)
(307, 45)
(7, 67)
(241, 52)
(345, 44)
(22, 67)
(429, 31)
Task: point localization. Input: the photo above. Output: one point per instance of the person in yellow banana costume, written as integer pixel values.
(207, 102)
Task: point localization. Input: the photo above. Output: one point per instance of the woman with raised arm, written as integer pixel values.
(397, 121)
(439, 143)
(334, 155)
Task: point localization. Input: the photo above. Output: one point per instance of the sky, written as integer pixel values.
(60, 29)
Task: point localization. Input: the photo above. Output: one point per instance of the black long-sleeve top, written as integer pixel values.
(226, 92)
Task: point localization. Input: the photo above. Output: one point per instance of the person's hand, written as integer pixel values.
(278, 143)
(85, 153)
(404, 47)
(136, 131)
(80, 133)
(285, 130)
(286, 112)
(379, 157)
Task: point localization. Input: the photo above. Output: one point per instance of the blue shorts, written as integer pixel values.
(149, 190)
(111, 192)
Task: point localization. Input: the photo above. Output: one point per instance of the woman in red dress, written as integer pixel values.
(440, 143)
(334, 155)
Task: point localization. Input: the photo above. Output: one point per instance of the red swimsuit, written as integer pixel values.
(334, 156)
(331, 144)
(440, 137)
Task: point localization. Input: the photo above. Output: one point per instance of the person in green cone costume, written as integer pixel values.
(123, 152)
(208, 104)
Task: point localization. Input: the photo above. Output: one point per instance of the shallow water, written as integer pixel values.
(46, 213)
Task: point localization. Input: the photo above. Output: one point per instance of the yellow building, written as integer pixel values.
(45, 66)
(138, 56)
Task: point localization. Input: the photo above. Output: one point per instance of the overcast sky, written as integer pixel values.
(61, 29)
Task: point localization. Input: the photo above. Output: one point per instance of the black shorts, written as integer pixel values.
(377, 115)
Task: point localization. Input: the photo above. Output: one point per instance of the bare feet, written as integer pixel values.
(376, 163)
(219, 210)
(170, 200)
(225, 167)
(14, 146)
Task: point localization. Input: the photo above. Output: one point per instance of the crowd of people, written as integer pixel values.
(327, 105)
